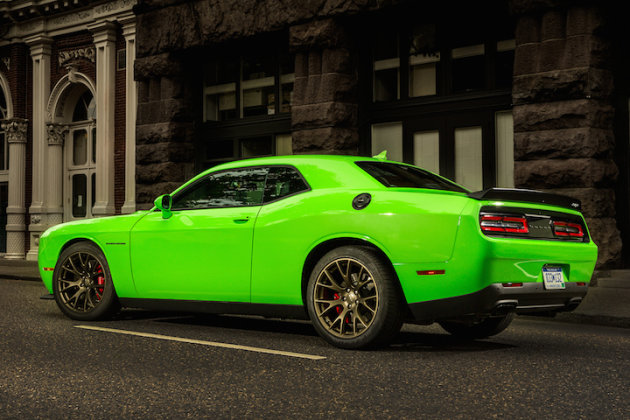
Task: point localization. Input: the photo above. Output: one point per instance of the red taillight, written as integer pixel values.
(511, 224)
(568, 229)
(512, 284)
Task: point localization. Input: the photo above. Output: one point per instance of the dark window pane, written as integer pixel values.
(231, 188)
(504, 69)
(85, 108)
(93, 189)
(94, 145)
(469, 73)
(386, 85)
(221, 149)
(258, 146)
(403, 176)
(258, 67)
(386, 45)
(79, 147)
(79, 195)
(222, 71)
(287, 98)
(281, 182)
(2, 149)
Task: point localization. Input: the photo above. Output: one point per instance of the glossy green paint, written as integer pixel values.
(257, 254)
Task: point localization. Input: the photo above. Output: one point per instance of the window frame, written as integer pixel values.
(263, 203)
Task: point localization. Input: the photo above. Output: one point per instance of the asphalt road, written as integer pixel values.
(537, 368)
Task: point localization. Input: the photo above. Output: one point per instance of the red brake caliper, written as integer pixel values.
(100, 280)
(338, 309)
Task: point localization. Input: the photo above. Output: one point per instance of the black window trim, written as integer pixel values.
(203, 178)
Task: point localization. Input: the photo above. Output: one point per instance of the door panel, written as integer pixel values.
(202, 254)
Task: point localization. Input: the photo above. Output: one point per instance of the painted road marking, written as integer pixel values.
(204, 343)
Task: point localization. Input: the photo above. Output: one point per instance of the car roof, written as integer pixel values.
(294, 160)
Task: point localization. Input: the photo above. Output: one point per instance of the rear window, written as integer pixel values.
(393, 175)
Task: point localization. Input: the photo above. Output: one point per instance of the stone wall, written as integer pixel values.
(164, 130)
(563, 112)
(324, 109)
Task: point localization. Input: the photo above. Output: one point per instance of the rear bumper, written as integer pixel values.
(496, 299)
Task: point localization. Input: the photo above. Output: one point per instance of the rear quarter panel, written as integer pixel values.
(408, 225)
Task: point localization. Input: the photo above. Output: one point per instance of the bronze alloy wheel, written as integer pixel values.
(81, 282)
(346, 298)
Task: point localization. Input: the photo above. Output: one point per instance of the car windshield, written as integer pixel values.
(393, 175)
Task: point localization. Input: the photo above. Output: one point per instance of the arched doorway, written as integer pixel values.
(73, 169)
(80, 159)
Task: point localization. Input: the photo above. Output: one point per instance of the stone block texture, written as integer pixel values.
(563, 111)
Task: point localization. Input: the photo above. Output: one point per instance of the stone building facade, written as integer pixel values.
(68, 103)
(522, 93)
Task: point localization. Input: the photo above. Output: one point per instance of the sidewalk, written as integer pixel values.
(607, 301)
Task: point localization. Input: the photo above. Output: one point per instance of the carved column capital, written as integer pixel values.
(56, 133)
(15, 129)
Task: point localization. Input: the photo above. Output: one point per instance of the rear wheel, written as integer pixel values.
(473, 329)
(82, 283)
(353, 298)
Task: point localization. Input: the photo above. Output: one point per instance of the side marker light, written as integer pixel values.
(49, 268)
(430, 272)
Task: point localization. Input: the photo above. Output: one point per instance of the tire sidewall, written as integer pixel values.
(387, 320)
(108, 302)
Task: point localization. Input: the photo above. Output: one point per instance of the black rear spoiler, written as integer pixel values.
(528, 196)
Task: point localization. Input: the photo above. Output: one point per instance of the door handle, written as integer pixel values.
(241, 221)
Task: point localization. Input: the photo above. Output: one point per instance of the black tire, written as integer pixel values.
(474, 329)
(82, 283)
(359, 308)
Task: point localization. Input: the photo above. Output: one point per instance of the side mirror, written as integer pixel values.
(164, 203)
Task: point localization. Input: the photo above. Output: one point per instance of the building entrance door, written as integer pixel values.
(80, 178)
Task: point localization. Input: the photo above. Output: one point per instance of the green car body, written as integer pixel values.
(258, 258)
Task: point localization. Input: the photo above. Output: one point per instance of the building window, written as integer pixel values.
(121, 59)
(439, 93)
(226, 150)
(248, 86)
(464, 67)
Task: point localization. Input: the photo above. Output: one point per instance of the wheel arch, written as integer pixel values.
(318, 251)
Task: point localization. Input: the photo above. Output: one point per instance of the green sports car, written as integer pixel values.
(357, 245)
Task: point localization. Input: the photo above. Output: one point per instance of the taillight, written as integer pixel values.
(510, 224)
(568, 229)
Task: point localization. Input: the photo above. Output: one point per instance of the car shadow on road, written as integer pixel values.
(250, 323)
(405, 341)
(431, 342)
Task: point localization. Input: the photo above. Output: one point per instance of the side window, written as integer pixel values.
(283, 181)
(231, 188)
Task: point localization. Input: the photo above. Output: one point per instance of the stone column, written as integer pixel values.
(105, 42)
(40, 54)
(325, 104)
(56, 137)
(563, 112)
(16, 137)
(131, 103)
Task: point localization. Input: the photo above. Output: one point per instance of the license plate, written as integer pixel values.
(553, 278)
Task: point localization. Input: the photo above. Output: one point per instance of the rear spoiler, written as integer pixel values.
(528, 196)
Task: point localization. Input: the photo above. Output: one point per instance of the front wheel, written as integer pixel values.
(473, 329)
(353, 298)
(82, 283)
